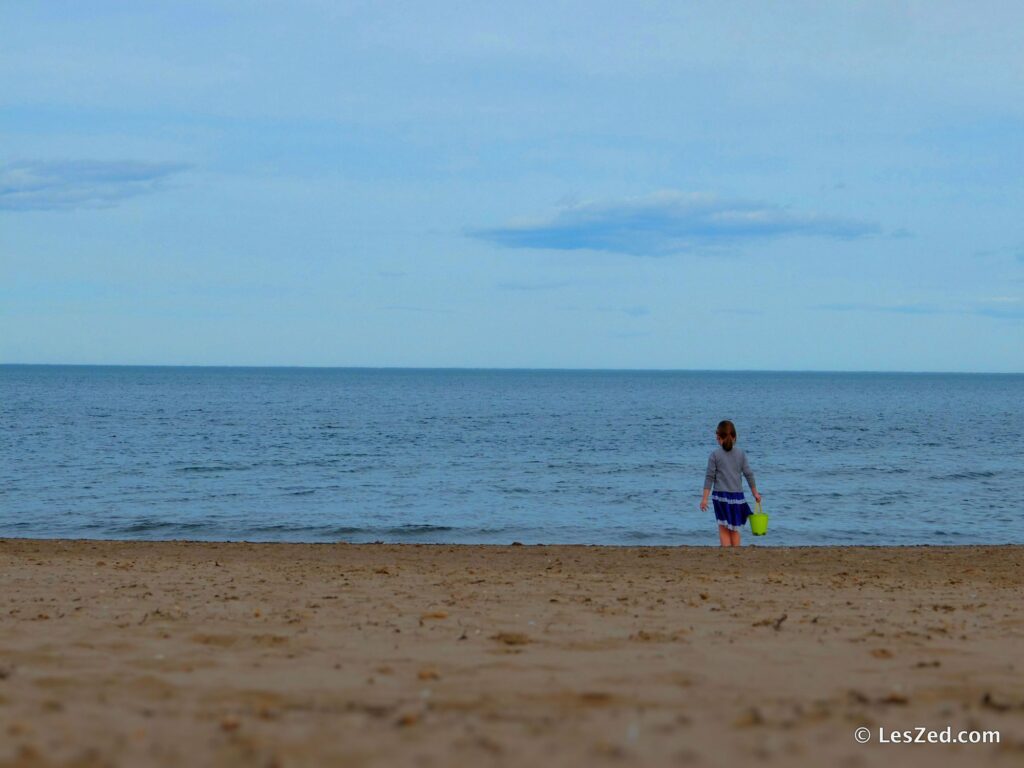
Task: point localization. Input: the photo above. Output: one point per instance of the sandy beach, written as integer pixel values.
(130, 653)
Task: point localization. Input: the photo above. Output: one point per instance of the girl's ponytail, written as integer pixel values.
(727, 431)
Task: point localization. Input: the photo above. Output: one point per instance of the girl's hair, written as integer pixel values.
(727, 431)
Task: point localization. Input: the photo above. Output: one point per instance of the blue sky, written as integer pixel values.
(833, 186)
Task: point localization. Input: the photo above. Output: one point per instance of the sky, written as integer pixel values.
(779, 185)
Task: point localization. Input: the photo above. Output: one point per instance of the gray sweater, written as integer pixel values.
(726, 470)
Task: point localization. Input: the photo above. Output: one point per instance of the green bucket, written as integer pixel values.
(758, 521)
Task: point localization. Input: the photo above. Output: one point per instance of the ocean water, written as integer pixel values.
(496, 456)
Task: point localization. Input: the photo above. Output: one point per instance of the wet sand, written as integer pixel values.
(190, 654)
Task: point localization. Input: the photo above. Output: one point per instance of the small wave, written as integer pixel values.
(968, 475)
(286, 528)
(492, 531)
(859, 471)
(152, 526)
(648, 535)
(203, 468)
(414, 528)
(411, 529)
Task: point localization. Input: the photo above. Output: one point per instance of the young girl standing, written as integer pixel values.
(727, 466)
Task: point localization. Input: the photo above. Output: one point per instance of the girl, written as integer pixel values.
(727, 466)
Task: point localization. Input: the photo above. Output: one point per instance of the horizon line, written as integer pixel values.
(505, 368)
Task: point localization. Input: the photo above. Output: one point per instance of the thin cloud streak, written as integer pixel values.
(901, 309)
(1000, 308)
(411, 308)
(634, 311)
(69, 184)
(668, 222)
(522, 285)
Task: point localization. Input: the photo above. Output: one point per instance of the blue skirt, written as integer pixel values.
(731, 509)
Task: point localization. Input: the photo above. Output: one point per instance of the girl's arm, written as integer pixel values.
(709, 480)
(749, 474)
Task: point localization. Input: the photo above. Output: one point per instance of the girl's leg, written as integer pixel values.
(734, 536)
(724, 537)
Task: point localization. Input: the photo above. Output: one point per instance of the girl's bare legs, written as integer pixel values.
(725, 536)
(735, 537)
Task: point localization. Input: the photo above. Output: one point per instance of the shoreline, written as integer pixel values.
(749, 542)
(170, 653)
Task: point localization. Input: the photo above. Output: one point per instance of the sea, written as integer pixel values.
(502, 456)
